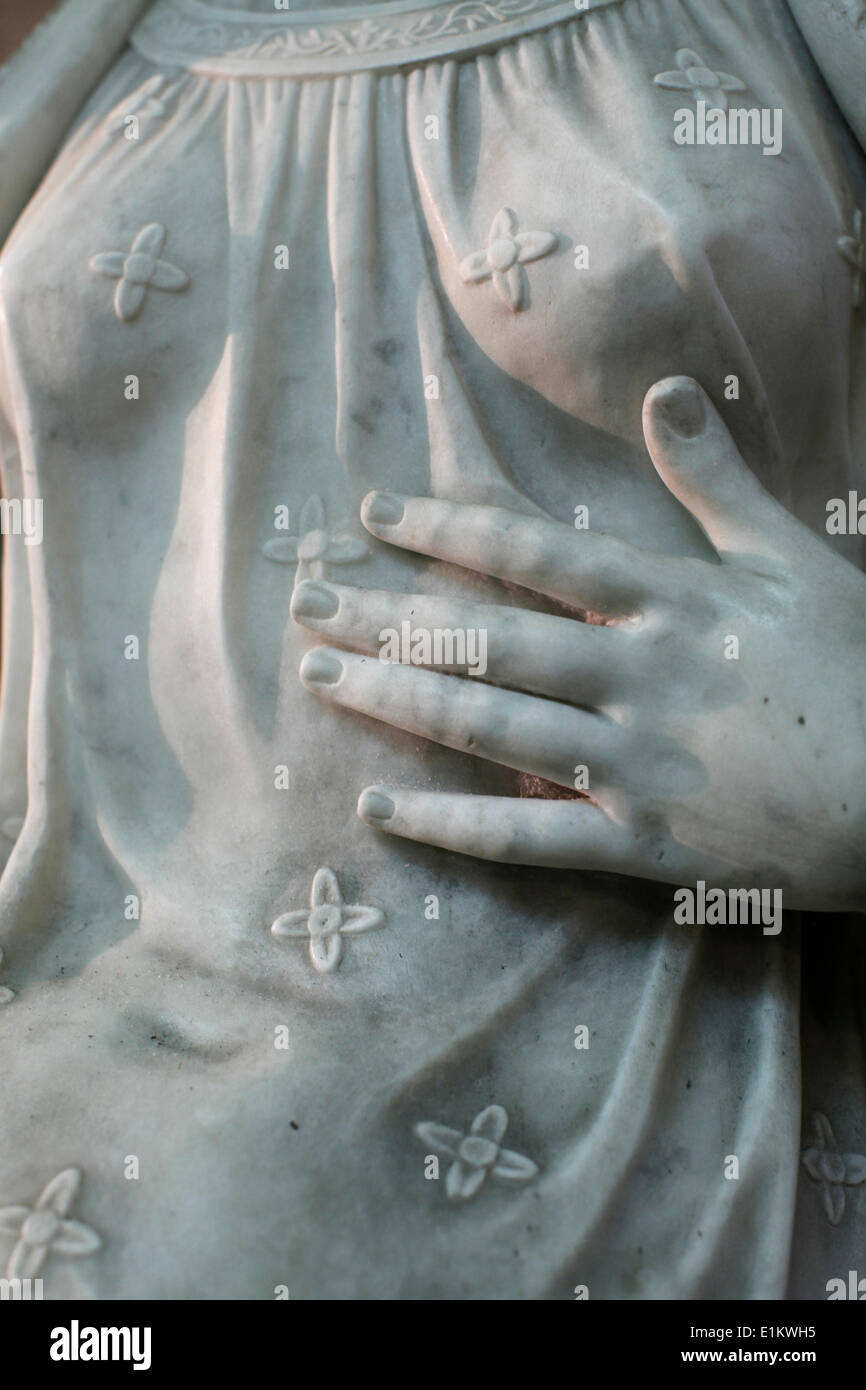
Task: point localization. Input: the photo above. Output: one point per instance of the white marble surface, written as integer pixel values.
(155, 784)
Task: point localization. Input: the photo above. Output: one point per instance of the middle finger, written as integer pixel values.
(578, 662)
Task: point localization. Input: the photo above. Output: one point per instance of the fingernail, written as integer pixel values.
(374, 804)
(680, 404)
(314, 600)
(383, 508)
(320, 667)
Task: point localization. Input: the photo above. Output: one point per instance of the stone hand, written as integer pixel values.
(715, 720)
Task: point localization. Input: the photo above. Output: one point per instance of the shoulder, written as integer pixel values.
(46, 81)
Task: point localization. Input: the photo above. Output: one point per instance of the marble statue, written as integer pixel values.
(432, 726)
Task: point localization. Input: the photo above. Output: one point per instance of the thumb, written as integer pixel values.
(698, 461)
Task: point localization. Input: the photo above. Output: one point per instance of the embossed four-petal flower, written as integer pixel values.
(314, 547)
(44, 1229)
(139, 270)
(11, 827)
(477, 1154)
(145, 104)
(833, 1170)
(853, 248)
(692, 74)
(326, 921)
(506, 251)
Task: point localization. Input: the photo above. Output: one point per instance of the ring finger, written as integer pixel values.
(520, 731)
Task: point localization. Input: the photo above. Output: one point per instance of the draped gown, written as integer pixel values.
(223, 322)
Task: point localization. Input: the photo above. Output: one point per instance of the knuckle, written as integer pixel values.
(537, 549)
(503, 841)
(493, 530)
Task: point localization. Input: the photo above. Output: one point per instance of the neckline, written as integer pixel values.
(200, 37)
(311, 18)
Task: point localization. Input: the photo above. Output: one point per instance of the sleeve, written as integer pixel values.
(42, 88)
(44, 84)
(16, 625)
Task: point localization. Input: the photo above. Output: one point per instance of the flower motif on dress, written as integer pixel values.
(833, 1170)
(12, 827)
(477, 1153)
(326, 921)
(314, 546)
(43, 1229)
(145, 104)
(139, 270)
(506, 251)
(6, 995)
(853, 248)
(706, 85)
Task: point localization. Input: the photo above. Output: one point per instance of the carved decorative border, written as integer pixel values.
(194, 35)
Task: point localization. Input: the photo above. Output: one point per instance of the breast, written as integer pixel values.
(639, 257)
(720, 274)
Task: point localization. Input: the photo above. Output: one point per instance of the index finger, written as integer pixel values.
(584, 569)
